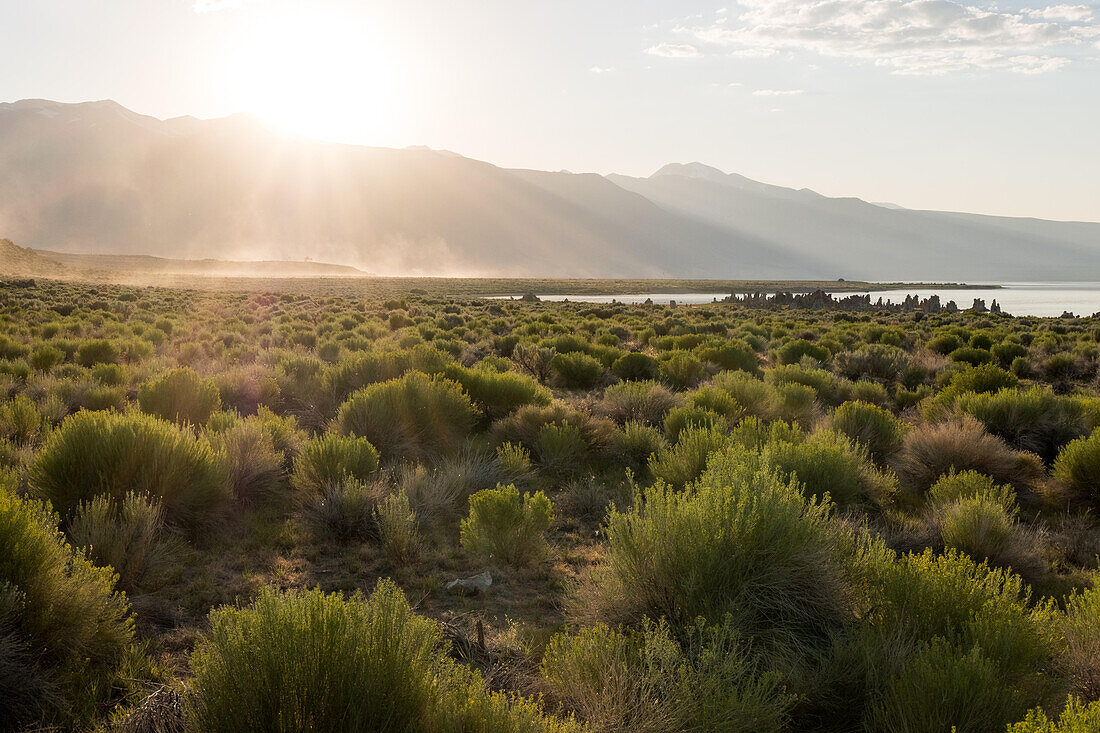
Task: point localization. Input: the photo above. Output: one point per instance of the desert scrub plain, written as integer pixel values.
(241, 511)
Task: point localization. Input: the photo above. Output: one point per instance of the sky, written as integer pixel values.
(981, 107)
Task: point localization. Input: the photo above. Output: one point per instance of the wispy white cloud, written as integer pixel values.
(602, 69)
(1075, 13)
(908, 36)
(209, 6)
(778, 92)
(673, 50)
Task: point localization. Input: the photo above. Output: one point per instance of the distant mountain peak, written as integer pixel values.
(692, 170)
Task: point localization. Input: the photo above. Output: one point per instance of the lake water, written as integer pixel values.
(1019, 299)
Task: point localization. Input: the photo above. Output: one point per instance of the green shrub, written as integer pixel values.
(1081, 626)
(94, 453)
(411, 416)
(871, 426)
(345, 510)
(793, 351)
(645, 401)
(735, 355)
(97, 351)
(1076, 717)
(46, 357)
(741, 543)
(682, 370)
(972, 356)
(303, 660)
(21, 422)
(1006, 354)
(505, 526)
(1077, 469)
(526, 423)
(829, 388)
(331, 459)
(636, 366)
(499, 393)
(828, 464)
(873, 361)
(577, 370)
(180, 395)
(1035, 419)
(441, 491)
(514, 459)
(969, 609)
(649, 682)
(560, 448)
(65, 635)
(97, 397)
(124, 534)
(944, 688)
(636, 443)
(685, 460)
(755, 397)
(681, 418)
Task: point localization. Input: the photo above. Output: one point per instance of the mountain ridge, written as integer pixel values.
(96, 177)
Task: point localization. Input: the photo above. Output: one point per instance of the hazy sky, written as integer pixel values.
(984, 107)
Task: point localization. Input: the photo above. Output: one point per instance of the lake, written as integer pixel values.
(1019, 299)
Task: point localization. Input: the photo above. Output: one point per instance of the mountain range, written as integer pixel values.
(96, 177)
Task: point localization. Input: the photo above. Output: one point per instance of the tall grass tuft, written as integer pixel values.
(397, 528)
(94, 453)
(255, 466)
(124, 534)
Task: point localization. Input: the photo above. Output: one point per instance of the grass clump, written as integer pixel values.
(650, 681)
(124, 534)
(409, 417)
(180, 395)
(303, 660)
(397, 527)
(505, 526)
(331, 459)
(254, 464)
(66, 636)
(104, 453)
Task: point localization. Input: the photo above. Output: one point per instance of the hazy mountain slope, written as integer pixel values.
(870, 241)
(72, 180)
(98, 178)
(20, 262)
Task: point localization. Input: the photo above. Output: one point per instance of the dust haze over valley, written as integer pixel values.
(97, 178)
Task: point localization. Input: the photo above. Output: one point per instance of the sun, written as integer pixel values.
(314, 73)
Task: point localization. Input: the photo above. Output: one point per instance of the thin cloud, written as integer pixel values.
(602, 69)
(210, 6)
(673, 50)
(778, 92)
(909, 36)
